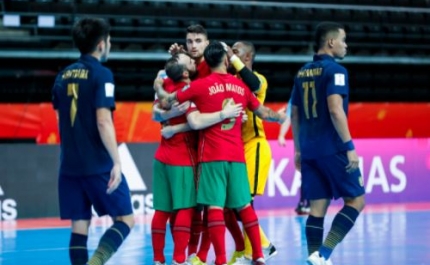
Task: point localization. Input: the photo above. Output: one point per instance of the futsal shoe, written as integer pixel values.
(269, 252)
(316, 259)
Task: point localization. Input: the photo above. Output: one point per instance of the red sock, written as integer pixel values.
(205, 244)
(233, 227)
(158, 232)
(252, 228)
(172, 219)
(181, 234)
(216, 227)
(196, 230)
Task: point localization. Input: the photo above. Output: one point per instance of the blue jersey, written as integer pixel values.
(79, 90)
(314, 82)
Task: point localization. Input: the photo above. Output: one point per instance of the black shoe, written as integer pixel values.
(303, 208)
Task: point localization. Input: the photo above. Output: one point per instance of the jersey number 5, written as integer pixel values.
(232, 121)
(72, 91)
(306, 86)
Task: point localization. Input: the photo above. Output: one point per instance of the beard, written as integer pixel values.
(193, 75)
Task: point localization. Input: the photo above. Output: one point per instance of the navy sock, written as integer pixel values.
(109, 243)
(342, 223)
(78, 252)
(314, 233)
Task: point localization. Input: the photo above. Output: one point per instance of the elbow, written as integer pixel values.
(335, 114)
(102, 124)
(194, 124)
(263, 115)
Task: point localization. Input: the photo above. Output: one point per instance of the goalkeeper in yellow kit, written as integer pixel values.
(258, 154)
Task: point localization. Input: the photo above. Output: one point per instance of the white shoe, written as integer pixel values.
(242, 261)
(269, 252)
(316, 259)
(159, 263)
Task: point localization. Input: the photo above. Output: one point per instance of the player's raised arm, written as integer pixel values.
(241, 57)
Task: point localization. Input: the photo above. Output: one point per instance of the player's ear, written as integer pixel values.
(226, 61)
(330, 42)
(185, 74)
(101, 46)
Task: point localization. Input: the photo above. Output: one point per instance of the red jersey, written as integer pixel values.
(222, 141)
(180, 149)
(203, 70)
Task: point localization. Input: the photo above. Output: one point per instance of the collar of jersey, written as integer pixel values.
(320, 57)
(88, 58)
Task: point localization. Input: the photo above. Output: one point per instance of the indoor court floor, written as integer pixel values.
(384, 234)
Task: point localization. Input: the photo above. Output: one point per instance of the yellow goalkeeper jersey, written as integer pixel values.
(253, 127)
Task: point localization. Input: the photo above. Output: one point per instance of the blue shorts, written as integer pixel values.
(326, 178)
(78, 194)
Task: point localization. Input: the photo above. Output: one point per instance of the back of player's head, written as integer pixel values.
(197, 29)
(88, 32)
(322, 30)
(214, 54)
(174, 70)
(250, 47)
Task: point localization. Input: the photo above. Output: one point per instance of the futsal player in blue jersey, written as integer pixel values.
(90, 168)
(324, 151)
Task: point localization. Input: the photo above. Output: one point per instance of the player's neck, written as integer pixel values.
(199, 60)
(325, 52)
(186, 80)
(219, 70)
(95, 55)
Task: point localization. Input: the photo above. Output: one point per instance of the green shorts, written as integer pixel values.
(223, 184)
(173, 187)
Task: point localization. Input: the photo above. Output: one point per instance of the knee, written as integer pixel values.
(127, 219)
(358, 203)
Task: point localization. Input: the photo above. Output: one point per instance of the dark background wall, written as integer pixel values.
(388, 55)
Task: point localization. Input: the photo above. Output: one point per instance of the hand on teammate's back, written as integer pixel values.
(180, 108)
(167, 131)
(231, 110)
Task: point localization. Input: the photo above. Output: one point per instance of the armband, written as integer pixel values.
(236, 62)
(349, 146)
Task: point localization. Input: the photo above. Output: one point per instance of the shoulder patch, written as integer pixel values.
(109, 89)
(339, 79)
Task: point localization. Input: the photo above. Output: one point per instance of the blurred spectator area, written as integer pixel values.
(388, 42)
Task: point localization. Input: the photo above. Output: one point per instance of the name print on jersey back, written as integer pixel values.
(219, 88)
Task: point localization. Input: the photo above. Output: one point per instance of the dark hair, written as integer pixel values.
(214, 54)
(250, 46)
(321, 32)
(174, 69)
(88, 32)
(198, 29)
